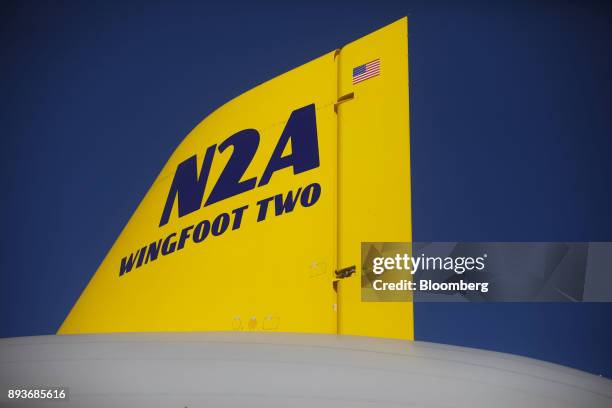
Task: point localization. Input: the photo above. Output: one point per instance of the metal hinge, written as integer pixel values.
(345, 272)
(342, 99)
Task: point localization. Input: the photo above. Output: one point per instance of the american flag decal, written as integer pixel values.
(365, 71)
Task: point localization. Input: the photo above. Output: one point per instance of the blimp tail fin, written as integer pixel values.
(256, 220)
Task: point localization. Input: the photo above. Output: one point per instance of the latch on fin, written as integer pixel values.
(346, 272)
(343, 99)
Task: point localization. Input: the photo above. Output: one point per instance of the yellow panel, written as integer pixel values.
(272, 272)
(271, 275)
(374, 174)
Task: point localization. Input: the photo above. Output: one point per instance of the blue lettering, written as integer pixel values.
(187, 186)
(169, 246)
(127, 263)
(201, 231)
(184, 235)
(301, 130)
(238, 216)
(310, 195)
(288, 204)
(220, 224)
(245, 145)
(153, 251)
(263, 208)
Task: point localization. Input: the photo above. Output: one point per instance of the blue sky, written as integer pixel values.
(510, 127)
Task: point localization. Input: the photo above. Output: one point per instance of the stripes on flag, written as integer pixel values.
(365, 71)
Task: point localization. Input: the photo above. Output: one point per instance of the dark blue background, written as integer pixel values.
(510, 119)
